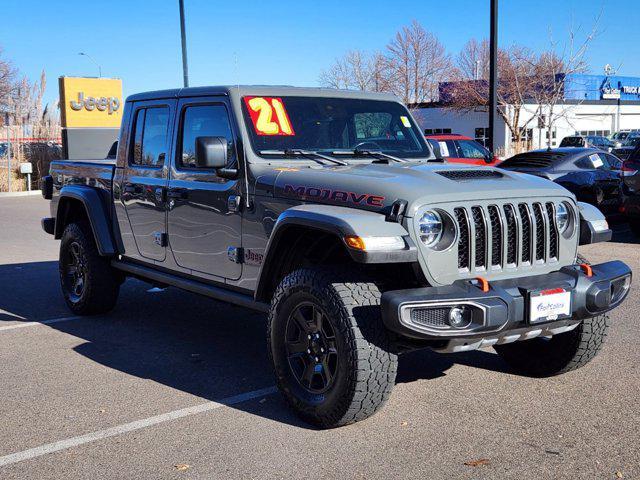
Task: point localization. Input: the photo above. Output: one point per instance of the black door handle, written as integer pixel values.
(178, 193)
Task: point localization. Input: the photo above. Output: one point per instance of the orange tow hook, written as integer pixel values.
(586, 268)
(483, 284)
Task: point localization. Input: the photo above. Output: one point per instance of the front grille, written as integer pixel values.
(540, 231)
(512, 233)
(553, 231)
(430, 317)
(496, 235)
(480, 236)
(464, 244)
(525, 218)
(470, 174)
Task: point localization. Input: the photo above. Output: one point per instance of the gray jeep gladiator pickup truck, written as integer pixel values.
(329, 210)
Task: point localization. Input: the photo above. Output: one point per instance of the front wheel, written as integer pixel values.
(545, 357)
(329, 348)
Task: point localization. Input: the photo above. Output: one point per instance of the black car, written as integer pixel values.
(592, 175)
(631, 190)
(627, 148)
(590, 141)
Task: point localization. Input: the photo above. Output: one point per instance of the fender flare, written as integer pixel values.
(338, 221)
(591, 224)
(95, 206)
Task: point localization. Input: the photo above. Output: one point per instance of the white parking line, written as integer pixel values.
(129, 427)
(43, 322)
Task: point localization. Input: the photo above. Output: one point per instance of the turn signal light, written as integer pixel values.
(374, 244)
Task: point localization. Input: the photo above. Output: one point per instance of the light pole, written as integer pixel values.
(6, 122)
(94, 61)
(183, 37)
(493, 74)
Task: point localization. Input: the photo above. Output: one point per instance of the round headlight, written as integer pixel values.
(562, 217)
(430, 226)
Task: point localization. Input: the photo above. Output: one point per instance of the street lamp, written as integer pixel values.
(94, 61)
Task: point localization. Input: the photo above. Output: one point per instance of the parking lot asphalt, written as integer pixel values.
(172, 385)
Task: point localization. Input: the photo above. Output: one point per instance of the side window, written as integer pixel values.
(203, 121)
(470, 149)
(150, 134)
(614, 162)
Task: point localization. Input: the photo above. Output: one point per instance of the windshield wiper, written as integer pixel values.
(369, 153)
(316, 156)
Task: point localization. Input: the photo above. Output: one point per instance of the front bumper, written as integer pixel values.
(501, 314)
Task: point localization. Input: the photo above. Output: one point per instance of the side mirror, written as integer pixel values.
(211, 152)
(488, 158)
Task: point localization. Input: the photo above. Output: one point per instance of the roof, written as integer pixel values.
(447, 136)
(259, 90)
(565, 151)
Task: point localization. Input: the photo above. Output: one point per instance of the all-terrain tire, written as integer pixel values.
(100, 282)
(541, 357)
(366, 366)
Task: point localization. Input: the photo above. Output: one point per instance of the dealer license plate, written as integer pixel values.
(549, 305)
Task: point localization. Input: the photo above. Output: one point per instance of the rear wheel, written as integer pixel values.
(89, 284)
(329, 348)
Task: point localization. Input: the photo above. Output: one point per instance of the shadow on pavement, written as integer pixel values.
(190, 343)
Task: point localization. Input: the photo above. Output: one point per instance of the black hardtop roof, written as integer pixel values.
(258, 90)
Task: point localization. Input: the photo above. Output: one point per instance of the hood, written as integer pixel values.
(377, 186)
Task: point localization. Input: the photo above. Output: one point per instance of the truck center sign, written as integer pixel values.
(90, 102)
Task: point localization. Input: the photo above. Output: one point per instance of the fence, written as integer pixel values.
(39, 151)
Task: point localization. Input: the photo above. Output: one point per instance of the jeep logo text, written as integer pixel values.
(110, 104)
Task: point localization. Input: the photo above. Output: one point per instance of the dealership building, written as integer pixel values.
(591, 105)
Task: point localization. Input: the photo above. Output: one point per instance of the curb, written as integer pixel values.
(20, 194)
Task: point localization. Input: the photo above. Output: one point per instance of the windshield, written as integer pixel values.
(331, 124)
(631, 142)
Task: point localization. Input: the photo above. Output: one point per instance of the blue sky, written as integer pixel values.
(279, 41)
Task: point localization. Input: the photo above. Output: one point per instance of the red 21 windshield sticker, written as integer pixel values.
(269, 116)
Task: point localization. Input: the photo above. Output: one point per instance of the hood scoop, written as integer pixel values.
(470, 174)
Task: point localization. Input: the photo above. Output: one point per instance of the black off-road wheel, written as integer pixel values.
(330, 351)
(89, 284)
(546, 357)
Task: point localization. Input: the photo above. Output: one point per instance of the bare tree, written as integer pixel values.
(416, 62)
(356, 70)
(553, 69)
(470, 90)
(7, 79)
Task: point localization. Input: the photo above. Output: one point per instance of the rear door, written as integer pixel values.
(146, 176)
(203, 221)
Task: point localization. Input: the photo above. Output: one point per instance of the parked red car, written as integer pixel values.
(456, 148)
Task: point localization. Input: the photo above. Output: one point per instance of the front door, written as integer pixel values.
(146, 175)
(203, 223)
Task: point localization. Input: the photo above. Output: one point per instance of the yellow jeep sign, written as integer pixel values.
(90, 102)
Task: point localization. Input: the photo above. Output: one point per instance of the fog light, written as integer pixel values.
(460, 317)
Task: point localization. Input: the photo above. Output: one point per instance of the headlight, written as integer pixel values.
(430, 227)
(562, 217)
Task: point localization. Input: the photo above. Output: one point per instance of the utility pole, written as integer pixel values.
(185, 69)
(6, 122)
(493, 74)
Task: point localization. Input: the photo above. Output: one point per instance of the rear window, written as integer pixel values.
(533, 160)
